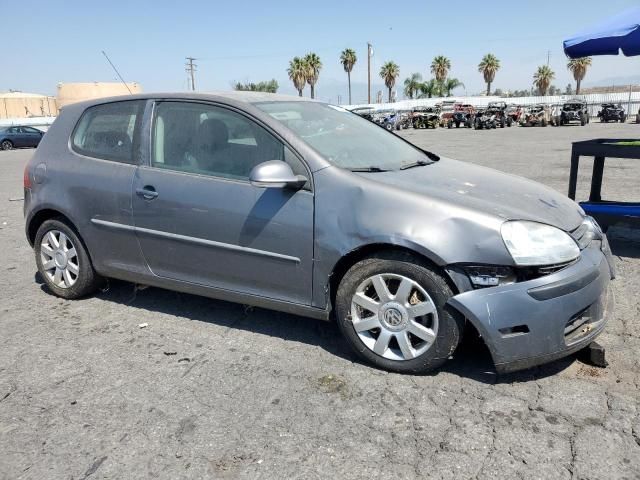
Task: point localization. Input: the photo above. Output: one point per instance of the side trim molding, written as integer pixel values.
(196, 240)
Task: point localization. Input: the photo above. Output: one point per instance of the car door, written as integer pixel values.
(199, 219)
(97, 174)
(32, 136)
(16, 137)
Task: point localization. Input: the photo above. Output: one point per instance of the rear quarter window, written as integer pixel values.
(109, 131)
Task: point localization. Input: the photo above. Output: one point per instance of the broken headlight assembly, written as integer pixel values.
(482, 276)
(536, 244)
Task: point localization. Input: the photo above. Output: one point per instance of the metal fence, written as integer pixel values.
(630, 101)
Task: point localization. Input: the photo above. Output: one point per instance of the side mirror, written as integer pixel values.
(275, 174)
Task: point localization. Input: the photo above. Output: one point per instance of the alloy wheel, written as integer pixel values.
(59, 259)
(394, 316)
(7, 145)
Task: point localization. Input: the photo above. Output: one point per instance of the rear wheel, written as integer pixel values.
(63, 261)
(6, 145)
(391, 310)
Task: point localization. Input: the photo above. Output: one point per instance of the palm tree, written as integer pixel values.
(428, 89)
(298, 73)
(542, 78)
(451, 84)
(488, 68)
(412, 85)
(389, 72)
(440, 67)
(579, 66)
(314, 65)
(348, 59)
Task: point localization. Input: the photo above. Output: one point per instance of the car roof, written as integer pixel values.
(225, 96)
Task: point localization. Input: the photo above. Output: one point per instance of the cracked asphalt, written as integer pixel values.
(211, 389)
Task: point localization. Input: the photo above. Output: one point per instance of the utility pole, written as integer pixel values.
(369, 72)
(191, 68)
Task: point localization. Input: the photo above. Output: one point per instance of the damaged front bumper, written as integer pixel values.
(537, 321)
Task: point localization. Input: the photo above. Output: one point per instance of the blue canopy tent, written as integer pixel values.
(621, 32)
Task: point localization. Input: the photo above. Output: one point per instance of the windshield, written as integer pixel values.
(344, 138)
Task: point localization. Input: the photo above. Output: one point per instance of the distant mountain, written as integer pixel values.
(329, 89)
(607, 82)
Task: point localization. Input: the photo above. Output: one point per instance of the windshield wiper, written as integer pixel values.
(368, 169)
(419, 163)
(431, 155)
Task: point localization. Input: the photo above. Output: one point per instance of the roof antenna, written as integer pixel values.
(117, 72)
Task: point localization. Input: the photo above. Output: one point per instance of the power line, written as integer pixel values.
(117, 72)
(191, 69)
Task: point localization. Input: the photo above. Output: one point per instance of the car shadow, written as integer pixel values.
(471, 360)
(624, 241)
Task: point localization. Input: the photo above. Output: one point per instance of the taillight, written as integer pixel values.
(26, 178)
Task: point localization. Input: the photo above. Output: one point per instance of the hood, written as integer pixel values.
(486, 190)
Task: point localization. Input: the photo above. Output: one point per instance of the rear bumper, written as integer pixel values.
(541, 320)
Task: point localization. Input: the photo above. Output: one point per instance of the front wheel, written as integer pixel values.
(63, 261)
(392, 312)
(7, 145)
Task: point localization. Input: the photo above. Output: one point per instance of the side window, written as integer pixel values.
(210, 140)
(108, 131)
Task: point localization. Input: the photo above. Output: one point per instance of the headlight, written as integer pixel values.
(531, 243)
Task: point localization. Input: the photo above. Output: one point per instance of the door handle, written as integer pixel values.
(147, 192)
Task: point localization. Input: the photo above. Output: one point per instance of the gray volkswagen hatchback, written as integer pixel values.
(304, 207)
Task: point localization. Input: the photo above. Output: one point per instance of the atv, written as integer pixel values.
(514, 112)
(463, 114)
(390, 120)
(425, 117)
(574, 111)
(499, 109)
(365, 112)
(612, 112)
(536, 115)
(447, 108)
(485, 119)
(404, 120)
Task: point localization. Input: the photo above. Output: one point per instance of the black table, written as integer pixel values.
(606, 212)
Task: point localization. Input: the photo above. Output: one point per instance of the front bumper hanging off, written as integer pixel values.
(537, 321)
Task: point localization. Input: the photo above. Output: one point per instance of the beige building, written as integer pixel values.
(26, 105)
(77, 92)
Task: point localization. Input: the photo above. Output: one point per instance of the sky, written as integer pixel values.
(246, 40)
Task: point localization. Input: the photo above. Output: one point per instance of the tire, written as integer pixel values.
(6, 145)
(388, 126)
(543, 122)
(457, 124)
(623, 118)
(449, 124)
(443, 326)
(69, 285)
(583, 120)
